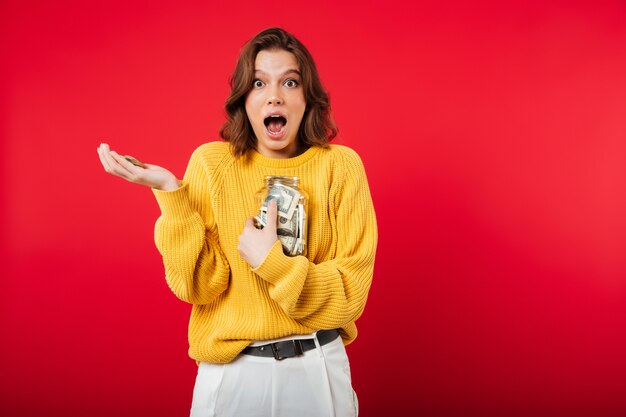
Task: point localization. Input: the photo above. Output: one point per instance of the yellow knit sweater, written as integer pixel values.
(197, 235)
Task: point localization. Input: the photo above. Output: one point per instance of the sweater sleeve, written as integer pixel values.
(332, 293)
(196, 270)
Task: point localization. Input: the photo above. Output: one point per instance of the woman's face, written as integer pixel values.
(275, 105)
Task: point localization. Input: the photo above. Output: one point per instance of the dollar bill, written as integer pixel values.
(260, 220)
(287, 231)
(301, 243)
(287, 199)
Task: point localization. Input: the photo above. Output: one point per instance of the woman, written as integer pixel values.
(268, 330)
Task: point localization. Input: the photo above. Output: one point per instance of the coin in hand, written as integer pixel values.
(134, 161)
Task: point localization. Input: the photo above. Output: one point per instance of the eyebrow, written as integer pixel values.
(289, 71)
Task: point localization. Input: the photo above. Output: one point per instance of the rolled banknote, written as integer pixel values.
(287, 231)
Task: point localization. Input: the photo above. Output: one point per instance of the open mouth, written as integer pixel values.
(275, 124)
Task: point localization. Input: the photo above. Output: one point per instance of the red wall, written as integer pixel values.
(494, 139)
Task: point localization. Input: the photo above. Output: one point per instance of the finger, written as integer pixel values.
(152, 166)
(121, 164)
(103, 161)
(110, 165)
(115, 167)
(126, 164)
(272, 210)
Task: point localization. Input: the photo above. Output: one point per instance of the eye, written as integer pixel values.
(291, 83)
(257, 83)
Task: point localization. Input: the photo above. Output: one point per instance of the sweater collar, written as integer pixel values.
(259, 159)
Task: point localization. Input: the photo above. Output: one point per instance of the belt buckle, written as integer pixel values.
(297, 349)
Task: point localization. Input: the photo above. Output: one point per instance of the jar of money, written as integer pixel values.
(292, 208)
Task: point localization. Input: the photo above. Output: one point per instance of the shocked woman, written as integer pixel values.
(268, 327)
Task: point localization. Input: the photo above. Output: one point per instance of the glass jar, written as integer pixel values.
(291, 224)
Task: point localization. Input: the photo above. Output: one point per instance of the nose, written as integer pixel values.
(274, 100)
(273, 95)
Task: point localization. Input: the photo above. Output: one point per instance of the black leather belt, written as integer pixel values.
(291, 348)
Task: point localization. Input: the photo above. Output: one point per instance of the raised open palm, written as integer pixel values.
(150, 175)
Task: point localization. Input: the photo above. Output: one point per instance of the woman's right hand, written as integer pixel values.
(152, 175)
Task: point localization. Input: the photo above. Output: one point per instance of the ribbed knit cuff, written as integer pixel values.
(175, 203)
(277, 265)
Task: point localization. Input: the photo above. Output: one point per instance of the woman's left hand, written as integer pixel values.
(255, 244)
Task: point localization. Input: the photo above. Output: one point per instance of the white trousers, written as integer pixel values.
(316, 384)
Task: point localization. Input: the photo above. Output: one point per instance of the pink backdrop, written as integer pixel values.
(494, 139)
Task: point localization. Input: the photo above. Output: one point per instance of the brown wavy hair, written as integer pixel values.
(317, 126)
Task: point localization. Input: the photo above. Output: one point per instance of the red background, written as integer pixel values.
(493, 134)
